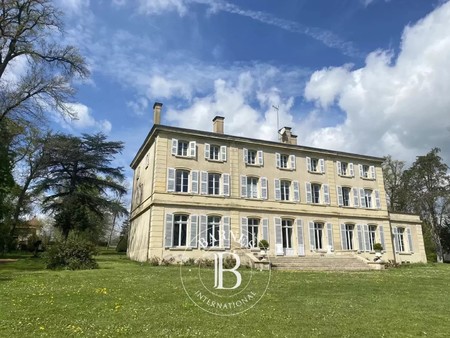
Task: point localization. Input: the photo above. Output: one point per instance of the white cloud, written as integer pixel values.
(159, 6)
(399, 106)
(83, 119)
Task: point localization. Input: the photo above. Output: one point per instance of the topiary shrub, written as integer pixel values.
(377, 247)
(263, 244)
(72, 254)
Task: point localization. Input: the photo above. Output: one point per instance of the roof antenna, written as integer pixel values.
(277, 108)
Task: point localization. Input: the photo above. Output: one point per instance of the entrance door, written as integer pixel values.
(286, 228)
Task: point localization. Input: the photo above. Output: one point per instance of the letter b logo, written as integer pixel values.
(219, 270)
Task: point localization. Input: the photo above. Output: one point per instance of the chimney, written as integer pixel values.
(287, 136)
(157, 113)
(218, 124)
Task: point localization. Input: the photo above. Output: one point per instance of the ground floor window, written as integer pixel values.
(286, 228)
(401, 241)
(372, 231)
(253, 224)
(180, 230)
(318, 235)
(348, 236)
(213, 231)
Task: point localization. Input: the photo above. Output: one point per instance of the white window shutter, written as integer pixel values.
(277, 190)
(193, 231)
(340, 196)
(338, 167)
(244, 232)
(366, 237)
(372, 172)
(168, 236)
(362, 198)
(361, 174)
(381, 233)
(264, 188)
(192, 149)
(265, 229)
(204, 182)
(245, 153)
(308, 192)
(351, 169)
(322, 165)
(260, 157)
(226, 232)
(296, 187)
(223, 153)
(292, 161)
(355, 197)
(308, 163)
(396, 242)
(410, 242)
(174, 146)
(278, 160)
(377, 199)
(207, 148)
(194, 181)
(226, 184)
(360, 238)
(243, 186)
(170, 179)
(326, 193)
(312, 238)
(330, 236)
(278, 237)
(300, 238)
(203, 240)
(344, 245)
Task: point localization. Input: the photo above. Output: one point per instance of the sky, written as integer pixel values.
(363, 76)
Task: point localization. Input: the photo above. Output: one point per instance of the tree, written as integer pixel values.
(27, 36)
(80, 180)
(395, 185)
(429, 186)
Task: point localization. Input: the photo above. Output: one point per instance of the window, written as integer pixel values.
(314, 164)
(315, 188)
(252, 187)
(212, 231)
(284, 160)
(213, 184)
(348, 237)
(318, 234)
(346, 196)
(214, 153)
(252, 155)
(344, 168)
(372, 232)
(401, 241)
(253, 224)
(365, 171)
(286, 228)
(182, 181)
(183, 147)
(368, 198)
(180, 230)
(284, 186)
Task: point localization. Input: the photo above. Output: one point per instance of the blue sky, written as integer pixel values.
(355, 75)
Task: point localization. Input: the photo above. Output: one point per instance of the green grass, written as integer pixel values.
(125, 298)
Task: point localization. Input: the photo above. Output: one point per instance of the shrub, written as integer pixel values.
(167, 261)
(229, 262)
(189, 262)
(154, 261)
(263, 244)
(122, 245)
(205, 263)
(377, 247)
(72, 254)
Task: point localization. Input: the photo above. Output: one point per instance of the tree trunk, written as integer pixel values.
(112, 229)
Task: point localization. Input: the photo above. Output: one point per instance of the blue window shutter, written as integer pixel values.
(244, 232)
(340, 196)
(312, 238)
(410, 242)
(343, 238)
(226, 232)
(168, 237)
(170, 179)
(277, 190)
(355, 197)
(174, 146)
(300, 238)
(265, 228)
(308, 192)
(243, 186)
(226, 184)
(223, 153)
(360, 238)
(330, 236)
(193, 231)
(278, 237)
(207, 147)
(296, 191)
(194, 181)
(264, 188)
(383, 244)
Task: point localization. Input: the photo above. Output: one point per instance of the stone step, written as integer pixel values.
(329, 262)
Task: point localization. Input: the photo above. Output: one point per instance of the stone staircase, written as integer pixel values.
(325, 262)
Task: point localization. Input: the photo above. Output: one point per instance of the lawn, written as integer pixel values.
(125, 298)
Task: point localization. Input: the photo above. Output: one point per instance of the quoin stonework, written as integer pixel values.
(193, 187)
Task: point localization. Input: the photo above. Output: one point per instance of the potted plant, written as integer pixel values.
(377, 247)
(263, 246)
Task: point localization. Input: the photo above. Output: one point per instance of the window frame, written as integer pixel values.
(285, 186)
(181, 171)
(180, 148)
(368, 198)
(216, 183)
(313, 192)
(176, 225)
(213, 229)
(253, 231)
(252, 187)
(348, 190)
